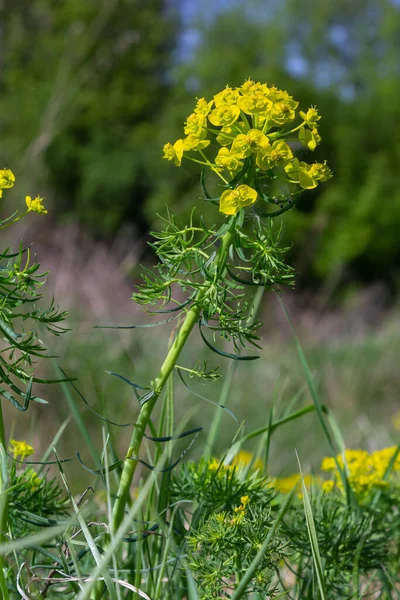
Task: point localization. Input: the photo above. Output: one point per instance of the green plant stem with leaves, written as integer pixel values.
(192, 317)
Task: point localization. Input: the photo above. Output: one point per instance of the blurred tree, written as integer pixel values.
(81, 82)
(343, 57)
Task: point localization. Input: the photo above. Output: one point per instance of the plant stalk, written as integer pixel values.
(167, 367)
(3, 502)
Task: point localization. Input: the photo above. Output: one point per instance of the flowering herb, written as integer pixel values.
(253, 123)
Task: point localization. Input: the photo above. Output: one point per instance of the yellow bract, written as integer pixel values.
(232, 201)
(194, 143)
(309, 137)
(35, 204)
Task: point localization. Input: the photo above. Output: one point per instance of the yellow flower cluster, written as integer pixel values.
(285, 485)
(365, 471)
(240, 511)
(20, 449)
(251, 122)
(7, 180)
(241, 460)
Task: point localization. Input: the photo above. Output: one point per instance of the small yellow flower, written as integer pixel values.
(246, 143)
(225, 159)
(232, 201)
(224, 115)
(281, 113)
(195, 124)
(19, 448)
(254, 103)
(328, 486)
(203, 107)
(174, 152)
(309, 138)
(35, 205)
(227, 97)
(307, 175)
(311, 117)
(250, 87)
(270, 156)
(7, 180)
(245, 500)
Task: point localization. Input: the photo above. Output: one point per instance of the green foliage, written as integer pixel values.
(213, 486)
(350, 541)
(186, 254)
(221, 550)
(34, 501)
(20, 321)
(78, 111)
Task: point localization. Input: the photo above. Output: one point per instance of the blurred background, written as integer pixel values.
(90, 91)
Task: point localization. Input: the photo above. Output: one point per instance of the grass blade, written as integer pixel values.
(312, 534)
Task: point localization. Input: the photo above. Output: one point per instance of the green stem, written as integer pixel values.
(216, 423)
(167, 367)
(3, 503)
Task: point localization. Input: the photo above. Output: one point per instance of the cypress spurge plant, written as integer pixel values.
(242, 141)
(20, 319)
